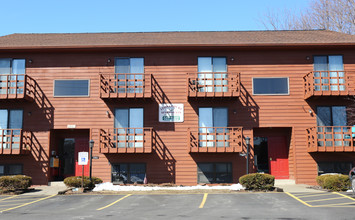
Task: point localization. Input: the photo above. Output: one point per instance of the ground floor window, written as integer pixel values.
(10, 169)
(334, 167)
(128, 172)
(214, 172)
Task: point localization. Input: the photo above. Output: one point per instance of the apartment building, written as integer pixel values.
(177, 107)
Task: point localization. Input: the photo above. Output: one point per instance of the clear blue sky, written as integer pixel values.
(77, 16)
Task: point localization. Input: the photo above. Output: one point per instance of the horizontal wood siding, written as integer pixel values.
(170, 160)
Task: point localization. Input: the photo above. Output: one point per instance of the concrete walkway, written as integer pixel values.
(55, 188)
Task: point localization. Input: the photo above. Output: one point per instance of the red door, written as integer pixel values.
(278, 157)
(81, 145)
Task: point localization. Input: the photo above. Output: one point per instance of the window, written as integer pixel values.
(10, 169)
(331, 116)
(128, 173)
(129, 74)
(9, 69)
(213, 123)
(334, 167)
(10, 120)
(71, 88)
(212, 76)
(214, 172)
(129, 127)
(323, 78)
(270, 86)
(331, 122)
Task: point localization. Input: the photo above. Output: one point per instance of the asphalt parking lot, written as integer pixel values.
(243, 205)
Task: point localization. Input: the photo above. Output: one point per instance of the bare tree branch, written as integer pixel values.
(336, 15)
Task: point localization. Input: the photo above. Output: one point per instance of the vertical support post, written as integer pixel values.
(91, 145)
(247, 142)
(82, 178)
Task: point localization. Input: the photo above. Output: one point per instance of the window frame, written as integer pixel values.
(73, 96)
(8, 117)
(114, 64)
(327, 55)
(215, 172)
(272, 94)
(212, 63)
(331, 113)
(6, 169)
(11, 64)
(334, 163)
(128, 172)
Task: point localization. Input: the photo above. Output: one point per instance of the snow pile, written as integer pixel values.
(110, 187)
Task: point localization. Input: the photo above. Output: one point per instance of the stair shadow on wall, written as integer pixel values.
(165, 159)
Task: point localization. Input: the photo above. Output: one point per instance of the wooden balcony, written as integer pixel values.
(331, 139)
(14, 141)
(126, 140)
(213, 85)
(16, 87)
(215, 140)
(125, 85)
(328, 83)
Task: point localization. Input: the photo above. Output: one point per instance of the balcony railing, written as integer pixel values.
(125, 85)
(331, 139)
(213, 84)
(328, 83)
(16, 86)
(14, 141)
(215, 140)
(126, 140)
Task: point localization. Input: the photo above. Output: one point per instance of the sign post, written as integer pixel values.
(83, 160)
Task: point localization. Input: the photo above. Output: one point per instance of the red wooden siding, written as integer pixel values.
(171, 158)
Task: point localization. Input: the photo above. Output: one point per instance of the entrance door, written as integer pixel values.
(81, 145)
(69, 157)
(278, 157)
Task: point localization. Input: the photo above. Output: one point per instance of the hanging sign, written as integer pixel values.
(171, 112)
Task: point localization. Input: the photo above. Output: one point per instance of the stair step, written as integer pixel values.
(285, 182)
(56, 183)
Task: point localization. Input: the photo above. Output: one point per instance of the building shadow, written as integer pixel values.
(249, 107)
(43, 109)
(164, 160)
(159, 97)
(39, 156)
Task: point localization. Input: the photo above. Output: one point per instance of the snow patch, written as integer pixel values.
(110, 187)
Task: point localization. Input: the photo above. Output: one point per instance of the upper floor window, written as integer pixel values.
(270, 86)
(333, 80)
(12, 66)
(212, 76)
(212, 64)
(12, 75)
(10, 125)
(129, 65)
(129, 75)
(129, 127)
(331, 116)
(328, 63)
(213, 123)
(71, 88)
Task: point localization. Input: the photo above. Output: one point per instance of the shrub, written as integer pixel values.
(12, 183)
(257, 181)
(75, 181)
(336, 182)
